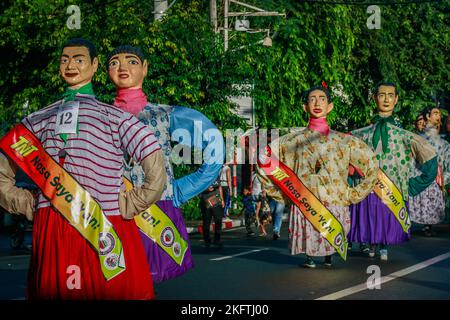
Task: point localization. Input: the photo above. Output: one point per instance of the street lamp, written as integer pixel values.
(267, 42)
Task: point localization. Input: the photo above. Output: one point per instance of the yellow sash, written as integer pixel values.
(68, 197)
(317, 214)
(391, 196)
(156, 225)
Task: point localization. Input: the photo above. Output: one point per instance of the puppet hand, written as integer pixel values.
(29, 213)
(126, 211)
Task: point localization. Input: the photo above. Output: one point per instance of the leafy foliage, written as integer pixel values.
(188, 65)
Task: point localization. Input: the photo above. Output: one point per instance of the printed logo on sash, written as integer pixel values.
(112, 261)
(176, 249)
(24, 146)
(67, 117)
(106, 243)
(167, 237)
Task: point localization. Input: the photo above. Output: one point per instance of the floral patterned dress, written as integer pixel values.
(157, 118)
(163, 120)
(321, 162)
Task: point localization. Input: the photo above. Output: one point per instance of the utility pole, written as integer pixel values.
(213, 14)
(160, 7)
(256, 12)
(225, 23)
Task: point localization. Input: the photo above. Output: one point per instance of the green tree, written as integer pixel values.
(188, 65)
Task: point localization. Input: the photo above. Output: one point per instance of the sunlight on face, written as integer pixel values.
(126, 70)
(76, 67)
(386, 99)
(318, 106)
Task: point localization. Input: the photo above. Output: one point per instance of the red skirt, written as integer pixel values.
(65, 266)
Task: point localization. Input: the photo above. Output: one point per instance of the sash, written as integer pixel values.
(391, 196)
(69, 198)
(156, 225)
(317, 214)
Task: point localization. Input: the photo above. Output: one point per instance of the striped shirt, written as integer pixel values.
(94, 156)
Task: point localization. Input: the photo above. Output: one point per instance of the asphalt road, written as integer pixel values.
(266, 271)
(257, 268)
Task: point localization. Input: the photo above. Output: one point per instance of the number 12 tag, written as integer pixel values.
(67, 118)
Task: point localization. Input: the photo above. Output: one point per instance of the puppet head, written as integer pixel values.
(386, 98)
(432, 117)
(419, 124)
(78, 62)
(447, 123)
(127, 67)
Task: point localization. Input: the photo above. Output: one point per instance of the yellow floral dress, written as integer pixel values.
(322, 162)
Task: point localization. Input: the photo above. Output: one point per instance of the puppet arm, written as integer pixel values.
(138, 199)
(200, 128)
(13, 199)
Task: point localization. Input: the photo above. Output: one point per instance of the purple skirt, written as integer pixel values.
(372, 222)
(162, 266)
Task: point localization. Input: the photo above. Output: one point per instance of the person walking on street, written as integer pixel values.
(211, 205)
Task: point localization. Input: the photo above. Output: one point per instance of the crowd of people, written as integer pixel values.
(102, 194)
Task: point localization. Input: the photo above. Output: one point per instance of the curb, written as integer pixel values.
(228, 224)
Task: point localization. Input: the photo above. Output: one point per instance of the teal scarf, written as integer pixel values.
(69, 95)
(381, 131)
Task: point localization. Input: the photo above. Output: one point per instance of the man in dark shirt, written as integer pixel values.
(212, 205)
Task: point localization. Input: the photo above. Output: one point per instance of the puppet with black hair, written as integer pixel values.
(86, 244)
(127, 68)
(382, 218)
(320, 159)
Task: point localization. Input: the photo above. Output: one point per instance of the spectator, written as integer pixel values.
(225, 183)
(263, 216)
(249, 211)
(256, 193)
(20, 222)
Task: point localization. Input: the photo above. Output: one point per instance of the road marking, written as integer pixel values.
(239, 254)
(233, 229)
(392, 276)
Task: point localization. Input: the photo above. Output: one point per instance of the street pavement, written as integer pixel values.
(259, 268)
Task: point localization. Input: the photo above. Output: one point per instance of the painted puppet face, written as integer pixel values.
(127, 71)
(76, 66)
(420, 123)
(318, 106)
(386, 99)
(434, 118)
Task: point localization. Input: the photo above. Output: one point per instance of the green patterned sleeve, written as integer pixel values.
(426, 157)
(420, 183)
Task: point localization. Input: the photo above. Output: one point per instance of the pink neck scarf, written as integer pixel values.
(131, 100)
(320, 125)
